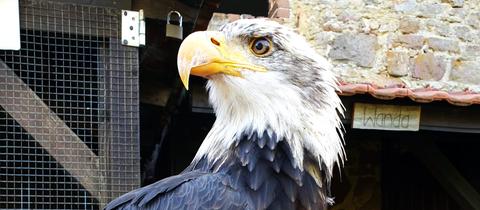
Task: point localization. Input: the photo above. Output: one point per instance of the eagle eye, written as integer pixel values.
(261, 46)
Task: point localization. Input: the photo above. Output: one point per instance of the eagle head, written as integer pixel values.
(264, 77)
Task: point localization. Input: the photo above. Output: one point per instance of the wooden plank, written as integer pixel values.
(72, 19)
(386, 117)
(20, 102)
(119, 4)
(447, 175)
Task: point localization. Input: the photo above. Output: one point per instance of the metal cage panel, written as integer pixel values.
(69, 119)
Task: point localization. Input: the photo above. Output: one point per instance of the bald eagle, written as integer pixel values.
(277, 135)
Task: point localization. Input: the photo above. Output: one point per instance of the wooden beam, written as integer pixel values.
(22, 104)
(69, 16)
(119, 152)
(446, 174)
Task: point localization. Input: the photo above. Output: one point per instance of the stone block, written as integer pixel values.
(334, 26)
(464, 33)
(368, 26)
(349, 16)
(280, 13)
(413, 41)
(409, 25)
(430, 10)
(282, 3)
(470, 51)
(233, 17)
(397, 63)
(279, 9)
(429, 67)
(466, 72)
(442, 44)
(324, 38)
(406, 6)
(473, 19)
(359, 48)
(389, 26)
(454, 3)
(440, 27)
(459, 13)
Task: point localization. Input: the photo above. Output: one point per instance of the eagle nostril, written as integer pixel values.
(214, 41)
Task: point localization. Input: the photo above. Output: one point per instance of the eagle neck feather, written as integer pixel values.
(244, 106)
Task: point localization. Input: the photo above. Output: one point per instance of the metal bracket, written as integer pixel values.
(133, 28)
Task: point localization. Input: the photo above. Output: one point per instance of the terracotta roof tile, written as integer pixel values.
(424, 95)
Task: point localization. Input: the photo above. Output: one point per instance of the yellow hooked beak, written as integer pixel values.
(206, 53)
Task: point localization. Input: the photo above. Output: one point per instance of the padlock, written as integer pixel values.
(174, 31)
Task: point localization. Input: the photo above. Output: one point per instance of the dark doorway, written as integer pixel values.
(411, 162)
(421, 170)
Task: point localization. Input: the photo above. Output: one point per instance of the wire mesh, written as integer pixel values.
(69, 121)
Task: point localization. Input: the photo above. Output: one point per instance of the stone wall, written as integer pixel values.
(423, 44)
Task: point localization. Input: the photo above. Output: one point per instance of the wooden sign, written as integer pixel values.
(386, 117)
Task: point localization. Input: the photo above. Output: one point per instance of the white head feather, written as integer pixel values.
(296, 98)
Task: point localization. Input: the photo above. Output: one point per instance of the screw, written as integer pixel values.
(125, 13)
(125, 41)
(131, 28)
(133, 38)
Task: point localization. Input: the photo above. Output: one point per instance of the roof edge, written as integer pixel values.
(422, 95)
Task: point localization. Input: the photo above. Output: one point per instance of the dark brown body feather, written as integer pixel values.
(260, 175)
